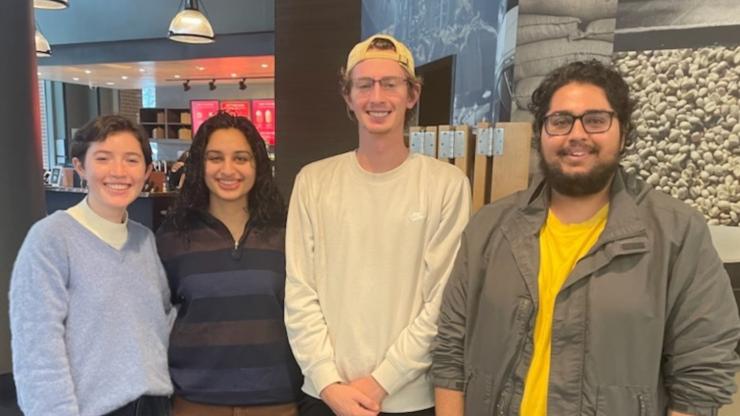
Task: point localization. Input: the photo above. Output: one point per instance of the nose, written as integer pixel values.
(376, 93)
(118, 168)
(578, 130)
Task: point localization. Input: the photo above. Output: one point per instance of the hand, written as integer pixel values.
(345, 400)
(176, 166)
(370, 388)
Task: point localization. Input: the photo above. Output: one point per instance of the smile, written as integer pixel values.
(378, 114)
(118, 186)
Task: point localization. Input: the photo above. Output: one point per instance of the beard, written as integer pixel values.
(575, 185)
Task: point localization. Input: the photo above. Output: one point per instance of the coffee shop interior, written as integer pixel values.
(170, 64)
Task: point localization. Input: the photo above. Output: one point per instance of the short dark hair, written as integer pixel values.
(586, 72)
(413, 83)
(100, 128)
(264, 202)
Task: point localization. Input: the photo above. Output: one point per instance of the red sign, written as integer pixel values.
(237, 108)
(263, 117)
(202, 110)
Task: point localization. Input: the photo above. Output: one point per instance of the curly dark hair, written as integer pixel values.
(265, 204)
(587, 72)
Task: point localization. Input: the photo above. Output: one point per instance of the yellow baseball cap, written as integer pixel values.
(367, 50)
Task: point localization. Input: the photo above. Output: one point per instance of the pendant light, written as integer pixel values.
(43, 49)
(50, 4)
(190, 25)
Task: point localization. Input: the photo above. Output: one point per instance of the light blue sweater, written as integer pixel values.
(89, 323)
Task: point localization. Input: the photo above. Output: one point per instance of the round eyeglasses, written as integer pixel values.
(597, 121)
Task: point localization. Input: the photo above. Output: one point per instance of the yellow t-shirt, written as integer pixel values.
(561, 246)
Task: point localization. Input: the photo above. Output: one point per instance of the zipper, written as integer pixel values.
(503, 397)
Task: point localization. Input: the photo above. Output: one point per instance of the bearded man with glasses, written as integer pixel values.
(370, 241)
(589, 293)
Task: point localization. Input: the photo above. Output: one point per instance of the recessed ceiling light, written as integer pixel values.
(142, 70)
(38, 73)
(233, 75)
(88, 72)
(110, 83)
(124, 77)
(177, 76)
(264, 65)
(75, 79)
(200, 68)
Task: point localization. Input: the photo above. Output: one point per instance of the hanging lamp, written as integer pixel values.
(190, 25)
(43, 49)
(50, 4)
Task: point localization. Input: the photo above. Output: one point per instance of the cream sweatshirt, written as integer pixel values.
(368, 256)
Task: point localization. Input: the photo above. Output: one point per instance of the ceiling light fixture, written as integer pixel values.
(88, 72)
(264, 65)
(212, 85)
(186, 85)
(75, 78)
(124, 77)
(190, 25)
(177, 76)
(43, 49)
(51, 4)
(243, 84)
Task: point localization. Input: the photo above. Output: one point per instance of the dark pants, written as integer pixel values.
(145, 406)
(310, 406)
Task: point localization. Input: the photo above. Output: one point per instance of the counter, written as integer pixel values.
(148, 209)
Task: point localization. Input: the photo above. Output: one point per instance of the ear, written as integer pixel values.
(79, 167)
(413, 96)
(347, 100)
(148, 171)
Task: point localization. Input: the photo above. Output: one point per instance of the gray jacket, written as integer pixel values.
(645, 322)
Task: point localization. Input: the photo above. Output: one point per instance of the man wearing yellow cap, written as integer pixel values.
(370, 242)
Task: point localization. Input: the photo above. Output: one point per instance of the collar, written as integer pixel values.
(113, 234)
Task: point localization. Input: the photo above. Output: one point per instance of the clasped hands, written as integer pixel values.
(360, 397)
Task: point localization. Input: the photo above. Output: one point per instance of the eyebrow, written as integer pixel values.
(109, 152)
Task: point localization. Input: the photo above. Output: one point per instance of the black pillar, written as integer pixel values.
(21, 187)
(312, 40)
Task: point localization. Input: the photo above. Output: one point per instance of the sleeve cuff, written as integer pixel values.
(323, 375)
(389, 377)
(693, 410)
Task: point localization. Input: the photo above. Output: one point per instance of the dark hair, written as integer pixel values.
(414, 84)
(586, 72)
(100, 128)
(264, 202)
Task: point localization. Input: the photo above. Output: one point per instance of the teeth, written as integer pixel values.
(379, 113)
(117, 186)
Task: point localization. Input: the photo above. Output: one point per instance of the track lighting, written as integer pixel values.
(243, 84)
(212, 85)
(186, 85)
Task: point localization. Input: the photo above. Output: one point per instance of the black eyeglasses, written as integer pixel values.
(596, 121)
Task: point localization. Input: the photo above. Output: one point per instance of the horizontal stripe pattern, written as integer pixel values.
(229, 344)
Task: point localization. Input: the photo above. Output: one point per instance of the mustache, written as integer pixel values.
(579, 147)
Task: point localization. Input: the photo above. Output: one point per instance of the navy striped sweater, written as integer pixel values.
(229, 344)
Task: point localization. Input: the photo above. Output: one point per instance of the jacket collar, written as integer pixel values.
(623, 221)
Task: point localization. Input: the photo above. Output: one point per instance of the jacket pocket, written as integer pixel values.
(625, 401)
(478, 393)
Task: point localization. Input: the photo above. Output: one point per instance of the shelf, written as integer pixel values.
(151, 123)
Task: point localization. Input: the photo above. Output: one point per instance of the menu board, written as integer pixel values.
(237, 108)
(263, 117)
(202, 110)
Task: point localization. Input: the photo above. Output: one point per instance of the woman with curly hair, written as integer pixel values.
(222, 247)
